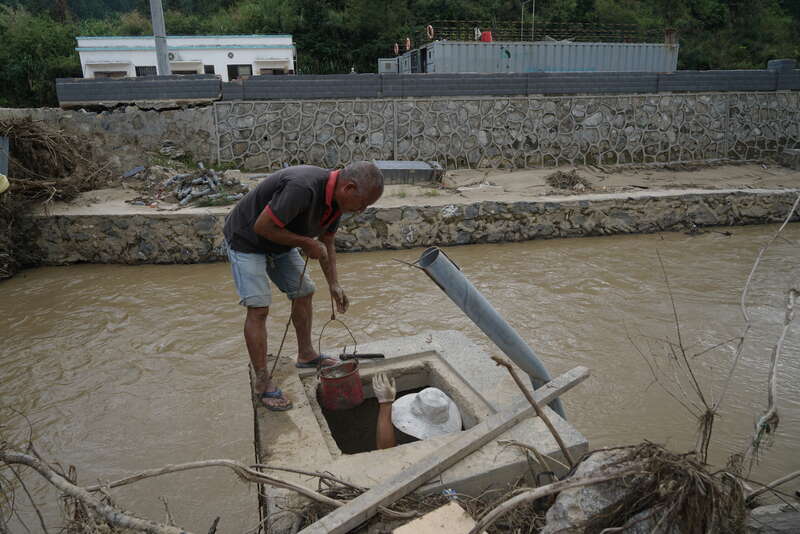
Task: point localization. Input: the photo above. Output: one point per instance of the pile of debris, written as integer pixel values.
(44, 164)
(568, 180)
(201, 187)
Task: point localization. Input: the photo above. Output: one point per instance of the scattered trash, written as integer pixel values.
(133, 172)
(202, 187)
(450, 494)
(568, 180)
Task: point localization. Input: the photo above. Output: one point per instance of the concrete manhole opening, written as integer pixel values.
(353, 431)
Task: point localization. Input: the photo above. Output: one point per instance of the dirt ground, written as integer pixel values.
(509, 186)
(467, 186)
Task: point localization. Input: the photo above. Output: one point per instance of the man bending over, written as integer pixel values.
(294, 208)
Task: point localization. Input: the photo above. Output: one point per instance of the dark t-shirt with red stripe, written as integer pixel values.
(299, 199)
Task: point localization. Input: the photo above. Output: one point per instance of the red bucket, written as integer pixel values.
(340, 386)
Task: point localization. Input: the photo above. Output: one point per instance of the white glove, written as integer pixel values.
(384, 388)
(3, 183)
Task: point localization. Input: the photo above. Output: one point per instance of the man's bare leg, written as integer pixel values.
(302, 319)
(255, 336)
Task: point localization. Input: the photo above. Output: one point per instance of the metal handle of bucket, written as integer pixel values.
(322, 332)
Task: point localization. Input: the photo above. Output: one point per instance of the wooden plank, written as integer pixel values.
(364, 506)
(450, 518)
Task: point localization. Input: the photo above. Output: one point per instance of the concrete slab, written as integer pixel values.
(300, 438)
(410, 172)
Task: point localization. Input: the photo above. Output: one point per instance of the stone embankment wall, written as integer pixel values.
(516, 132)
(498, 131)
(125, 136)
(192, 238)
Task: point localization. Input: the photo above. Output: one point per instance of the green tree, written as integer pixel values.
(36, 50)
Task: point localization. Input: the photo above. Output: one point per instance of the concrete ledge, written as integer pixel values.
(300, 438)
(195, 236)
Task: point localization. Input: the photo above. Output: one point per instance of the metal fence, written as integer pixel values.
(196, 88)
(77, 92)
(469, 30)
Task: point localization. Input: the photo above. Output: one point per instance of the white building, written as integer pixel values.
(228, 56)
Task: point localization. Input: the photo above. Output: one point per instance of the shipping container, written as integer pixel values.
(540, 56)
(388, 65)
(404, 63)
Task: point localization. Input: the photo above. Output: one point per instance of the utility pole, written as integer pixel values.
(533, 19)
(160, 34)
(522, 19)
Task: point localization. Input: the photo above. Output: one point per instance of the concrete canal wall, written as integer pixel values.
(195, 235)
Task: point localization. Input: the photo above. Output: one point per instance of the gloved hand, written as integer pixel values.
(384, 388)
(3, 183)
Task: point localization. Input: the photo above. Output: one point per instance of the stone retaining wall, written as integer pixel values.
(513, 132)
(125, 136)
(193, 238)
(459, 132)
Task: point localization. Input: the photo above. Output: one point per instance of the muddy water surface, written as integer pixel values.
(122, 368)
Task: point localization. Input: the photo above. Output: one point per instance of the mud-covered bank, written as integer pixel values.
(195, 236)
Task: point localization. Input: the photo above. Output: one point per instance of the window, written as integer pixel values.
(208, 69)
(110, 74)
(146, 71)
(184, 72)
(236, 72)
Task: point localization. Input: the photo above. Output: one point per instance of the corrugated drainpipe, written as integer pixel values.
(449, 278)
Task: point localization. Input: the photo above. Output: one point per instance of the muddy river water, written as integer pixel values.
(122, 368)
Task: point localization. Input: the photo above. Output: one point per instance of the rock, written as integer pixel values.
(593, 120)
(574, 506)
(774, 519)
(169, 149)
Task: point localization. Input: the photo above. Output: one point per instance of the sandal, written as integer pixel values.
(277, 394)
(316, 362)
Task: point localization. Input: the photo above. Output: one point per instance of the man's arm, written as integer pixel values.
(384, 435)
(328, 264)
(385, 391)
(266, 227)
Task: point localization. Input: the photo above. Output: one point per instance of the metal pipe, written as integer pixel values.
(449, 278)
(160, 34)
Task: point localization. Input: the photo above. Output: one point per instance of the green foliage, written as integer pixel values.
(35, 51)
(333, 36)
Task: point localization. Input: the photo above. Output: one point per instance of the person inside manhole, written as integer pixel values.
(294, 208)
(422, 415)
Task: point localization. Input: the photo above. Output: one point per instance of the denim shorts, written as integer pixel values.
(252, 271)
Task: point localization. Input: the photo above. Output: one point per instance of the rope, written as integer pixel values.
(286, 330)
(319, 340)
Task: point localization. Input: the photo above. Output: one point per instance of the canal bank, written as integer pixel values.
(120, 233)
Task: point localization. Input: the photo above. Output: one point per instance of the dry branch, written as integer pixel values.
(543, 459)
(30, 499)
(108, 513)
(774, 484)
(743, 305)
(534, 494)
(768, 422)
(539, 411)
(241, 470)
